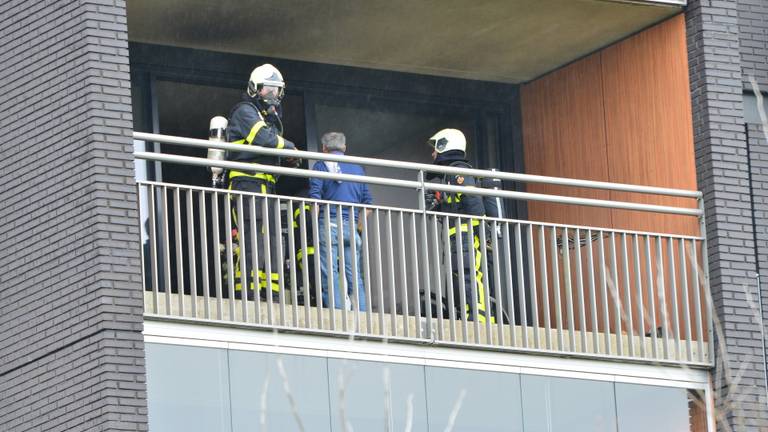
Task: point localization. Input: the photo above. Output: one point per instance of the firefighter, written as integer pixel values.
(305, 258)
(449, 149)
(255, 121)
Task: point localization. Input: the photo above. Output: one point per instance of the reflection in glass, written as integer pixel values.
(567, 405)
(491, 402)
(253, 372)
(370, 395)
(644, 408)
(187, 388)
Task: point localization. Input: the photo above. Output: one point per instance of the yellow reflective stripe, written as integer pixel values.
(240, 141)
(464, 227)
(450, 199)
(297, 212)
(280, 142)
(254, 130)
(263, 176)
(300, 253)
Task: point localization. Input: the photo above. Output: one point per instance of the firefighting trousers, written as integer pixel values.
(467, 259)
(266, 235)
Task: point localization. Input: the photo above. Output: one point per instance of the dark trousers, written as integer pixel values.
(305, 259)
(266, 276)
(470, 251)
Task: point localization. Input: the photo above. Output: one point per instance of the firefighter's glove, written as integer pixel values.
(431, 200)
(290, 162)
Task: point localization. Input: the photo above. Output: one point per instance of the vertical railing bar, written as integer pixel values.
(424, 239)
(673, 293)
(592, 295)
(280, 260)
(289, 221)
(604, 294)
(449, 288)
(393, 287)
(403, 284)
(651, 296)
(179, 252)
(545, 287)
(697, 299)
(639, 294)
(662, 298)
(166, 250)
(556, 290)
(438, 281)
(254, 279)
(629, 318)
(486, 285)
(318, 274)
(521, 284)
(686, 303)
(342, 278)
(497, 282)
(580, 291)
(367, 273)
(379, 272)
(415, 274)
(267, 242)
(534, 294)
(230, 258)
(217, 255)
(506, 238)
(353, 220)
(330, 265)
(305, 267)
(204, 256)
(152, 233)
(191, 249)
(616, 293)
(565, 242)
(462, 283)
(242, 257)
(474, 305)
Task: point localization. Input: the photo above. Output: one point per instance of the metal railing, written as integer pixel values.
(539, 287)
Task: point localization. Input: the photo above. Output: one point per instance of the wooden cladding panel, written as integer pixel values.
(648, 130)
(621, 115)
(564, 136)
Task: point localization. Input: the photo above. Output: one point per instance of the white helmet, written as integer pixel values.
(267, 76)
(448, 139)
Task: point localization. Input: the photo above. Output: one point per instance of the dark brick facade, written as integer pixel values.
(753, 40)
(71, 351)
(715, 56)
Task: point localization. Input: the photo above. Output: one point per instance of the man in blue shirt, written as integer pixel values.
(347, 192)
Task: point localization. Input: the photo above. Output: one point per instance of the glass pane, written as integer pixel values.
(358, 395)
(643, 408)
(187, 388)
(491, 401)
(307, 381)
(567, 405)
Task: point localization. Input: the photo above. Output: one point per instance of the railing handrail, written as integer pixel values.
(518, 177)
(412, 184)
(487, 219)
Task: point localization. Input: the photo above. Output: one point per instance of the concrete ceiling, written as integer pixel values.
(493, 40)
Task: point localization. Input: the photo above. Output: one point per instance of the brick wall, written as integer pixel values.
(753, 35)
(722, 175)
(71, 351)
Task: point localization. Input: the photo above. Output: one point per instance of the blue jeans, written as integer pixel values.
(339, 300)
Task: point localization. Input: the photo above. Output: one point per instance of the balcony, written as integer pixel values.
(554, 289)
